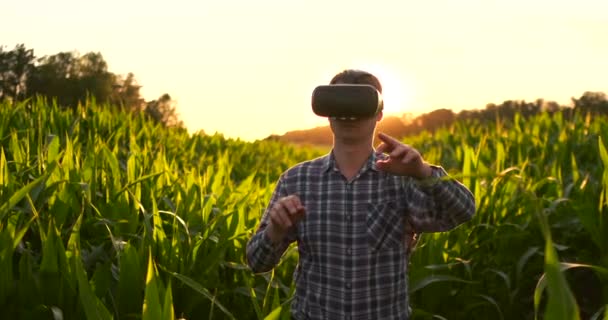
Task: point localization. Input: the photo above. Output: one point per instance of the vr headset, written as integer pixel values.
(346, 101)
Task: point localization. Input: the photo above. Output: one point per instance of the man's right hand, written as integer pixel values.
(284, 214)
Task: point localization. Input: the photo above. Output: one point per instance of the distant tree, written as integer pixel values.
(593, 102)
(407, 118)
(15, 67)
(163, 111)
(273, 137)
(126, 93)
(93, 78)
(548, 106)
(436, 119)
(72, 79)
(315, 136)
(392, 125)
(468, 114)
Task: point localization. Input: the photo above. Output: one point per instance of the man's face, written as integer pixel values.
(354, 129)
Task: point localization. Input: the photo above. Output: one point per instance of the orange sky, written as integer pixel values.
(247, 68)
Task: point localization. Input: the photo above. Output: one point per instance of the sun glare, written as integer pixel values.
(395, 92)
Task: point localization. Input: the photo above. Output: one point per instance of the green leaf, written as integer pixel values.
(142, 179)
(5, 176)
(130, 282)
(6, 265)
(57, 279)
(255, 302)
(21, 193)
(50, 262)
(93, 307)
(168, 313)
(275, 314)
(53, 149)
(603, 152)
(152, 308)
(200, 289)
(561, 304)
(420, 284)
(28, 290)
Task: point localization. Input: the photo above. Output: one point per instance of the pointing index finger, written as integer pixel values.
(392, 142)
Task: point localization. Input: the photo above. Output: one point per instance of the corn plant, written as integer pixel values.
(105, 214)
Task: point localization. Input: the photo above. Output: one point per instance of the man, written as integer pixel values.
(349, 212)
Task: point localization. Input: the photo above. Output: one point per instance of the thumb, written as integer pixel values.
(298, 215)
(384, 164)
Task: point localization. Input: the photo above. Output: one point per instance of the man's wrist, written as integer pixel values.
(273, 235)
(435, 175)
(427, 171)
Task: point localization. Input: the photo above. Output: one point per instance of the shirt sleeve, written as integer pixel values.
(439, 203)
(262, 254)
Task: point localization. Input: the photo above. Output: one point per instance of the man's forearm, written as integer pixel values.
(440, 203)
(262, 254)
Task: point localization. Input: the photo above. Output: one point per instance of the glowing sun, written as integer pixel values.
(395, 90)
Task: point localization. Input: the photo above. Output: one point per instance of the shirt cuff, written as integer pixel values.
(437, 172)
(267, 244)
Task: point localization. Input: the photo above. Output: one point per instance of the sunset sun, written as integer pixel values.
(395, 90)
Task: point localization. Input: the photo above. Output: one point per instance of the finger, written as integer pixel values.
(384, 165)
(411, 157)
(293, 205)
(398, 153)
(295, 218)
(283, 212)
(293, 208)
(383, 147)
(296, 202)
(289, 205)
(280, 219)
(388, 139)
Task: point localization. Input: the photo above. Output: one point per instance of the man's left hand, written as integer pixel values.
(403, 160)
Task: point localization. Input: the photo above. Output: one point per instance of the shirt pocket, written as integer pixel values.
(384, 226)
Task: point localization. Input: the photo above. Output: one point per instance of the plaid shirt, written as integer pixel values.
(351, 241)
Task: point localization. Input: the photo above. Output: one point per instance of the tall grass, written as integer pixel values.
(539, 187)
(106, 215)
(112, 216)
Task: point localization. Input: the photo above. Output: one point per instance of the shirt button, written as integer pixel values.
(349, 217)
(348, 285)
(349, 251)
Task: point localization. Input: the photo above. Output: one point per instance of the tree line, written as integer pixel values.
(71, 79)
(593, 103)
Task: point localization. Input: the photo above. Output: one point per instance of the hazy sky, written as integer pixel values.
(247, 68)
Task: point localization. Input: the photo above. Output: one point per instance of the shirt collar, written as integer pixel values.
(329, 162)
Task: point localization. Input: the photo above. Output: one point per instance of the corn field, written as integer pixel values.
(106, 215)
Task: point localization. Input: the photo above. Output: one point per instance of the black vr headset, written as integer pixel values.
(346, 101)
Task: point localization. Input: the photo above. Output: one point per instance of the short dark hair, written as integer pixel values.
(355, 76)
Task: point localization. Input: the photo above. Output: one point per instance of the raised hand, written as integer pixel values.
(283, 215)
(402, 160)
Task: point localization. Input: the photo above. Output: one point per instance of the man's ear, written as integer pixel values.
(379, 116)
